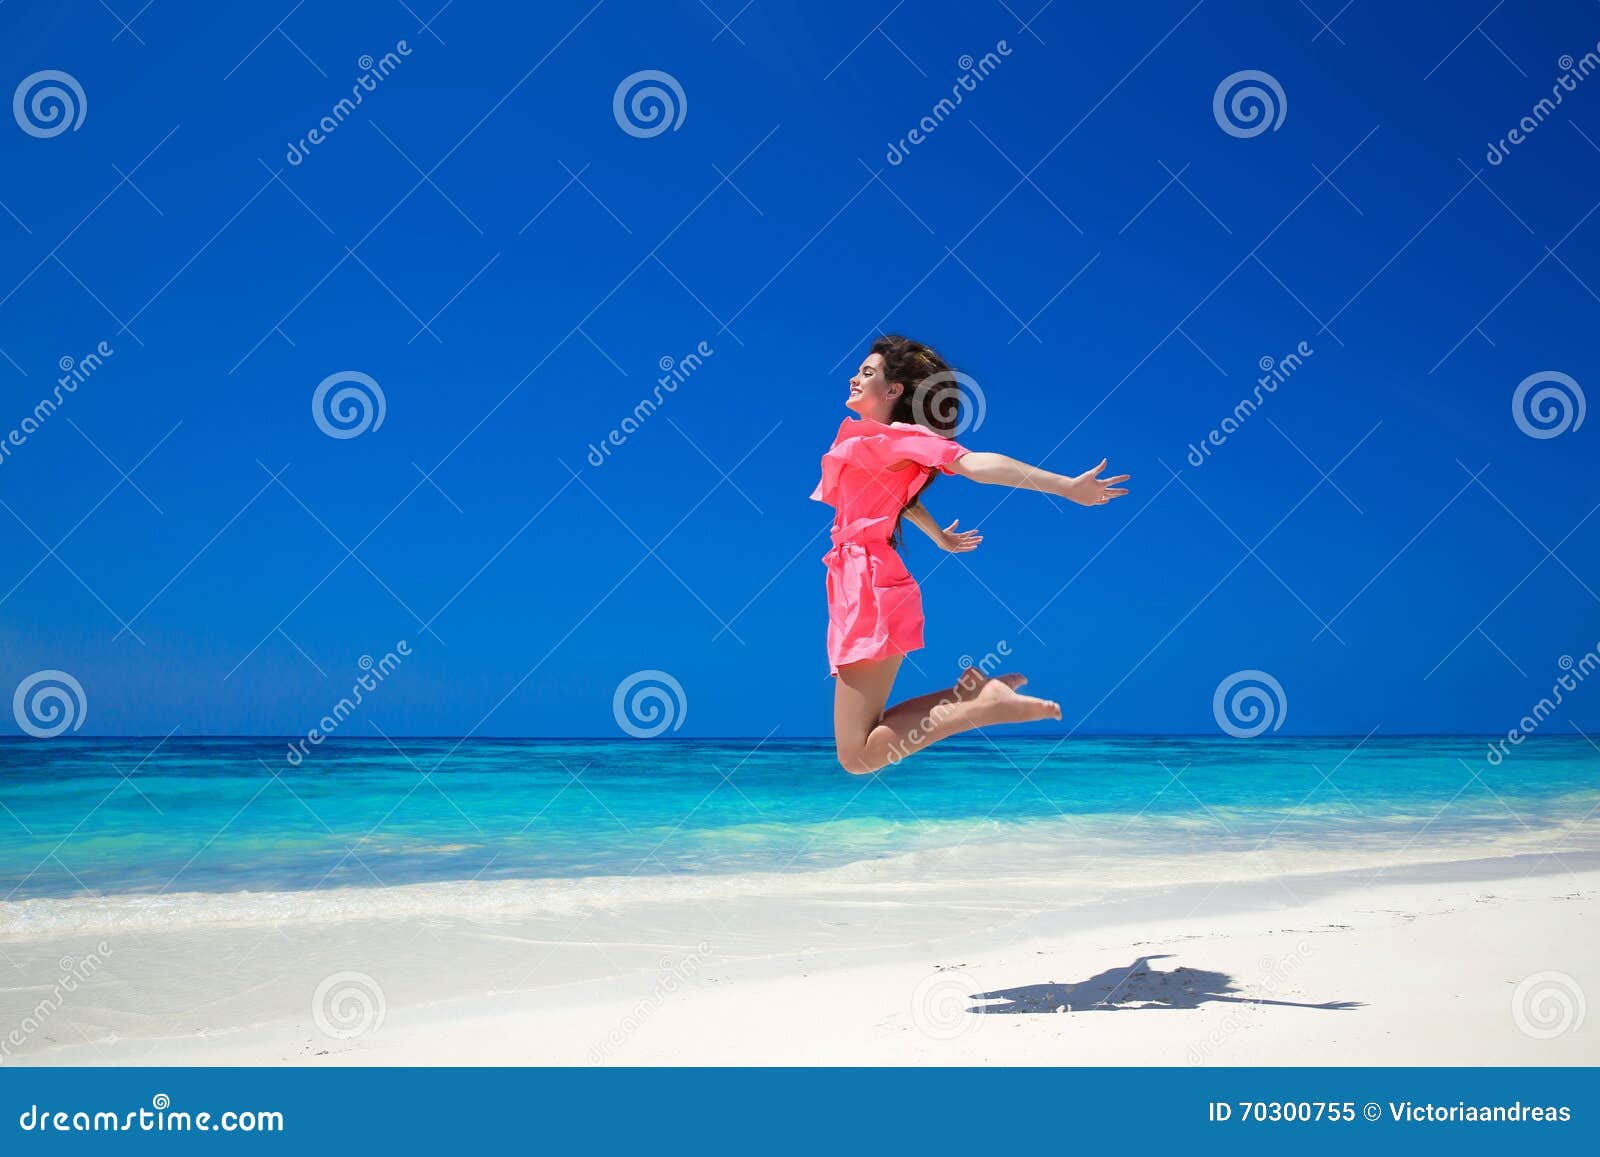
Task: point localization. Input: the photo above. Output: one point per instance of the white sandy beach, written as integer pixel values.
(1471, 962)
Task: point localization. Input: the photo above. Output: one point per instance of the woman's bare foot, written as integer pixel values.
(998, 702)
(973, 681)
(969, 688)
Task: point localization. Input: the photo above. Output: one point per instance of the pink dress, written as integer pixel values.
(874, 606)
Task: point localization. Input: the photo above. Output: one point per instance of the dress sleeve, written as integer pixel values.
(924, 447)
(876, 447)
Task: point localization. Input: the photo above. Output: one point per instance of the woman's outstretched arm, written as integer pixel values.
(945, 538)
(1086, 489)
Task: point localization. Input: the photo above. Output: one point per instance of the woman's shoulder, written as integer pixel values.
(913, 428)
(867, 428)
(857, 428)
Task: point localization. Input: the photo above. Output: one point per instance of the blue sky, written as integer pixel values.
(484, 240)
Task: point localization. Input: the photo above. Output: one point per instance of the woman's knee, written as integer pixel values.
(854, 759)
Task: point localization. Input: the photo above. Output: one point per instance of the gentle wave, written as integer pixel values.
(1055, 859)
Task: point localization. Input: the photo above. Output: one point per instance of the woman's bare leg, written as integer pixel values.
(859, 695)
(966, 687)
(867, 737)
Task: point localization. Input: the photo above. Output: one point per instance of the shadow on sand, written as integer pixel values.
(1135, 988)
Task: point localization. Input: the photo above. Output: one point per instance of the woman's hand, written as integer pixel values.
(1089, 489)
(958, 541)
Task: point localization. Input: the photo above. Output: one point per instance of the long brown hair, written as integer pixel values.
(930, 396)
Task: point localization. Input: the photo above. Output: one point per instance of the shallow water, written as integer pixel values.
(583, 819)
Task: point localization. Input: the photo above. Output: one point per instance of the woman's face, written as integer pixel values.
(871, 395)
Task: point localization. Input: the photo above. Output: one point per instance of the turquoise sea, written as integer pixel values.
(104, 818)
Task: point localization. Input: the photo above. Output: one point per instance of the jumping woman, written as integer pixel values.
(906, 399)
